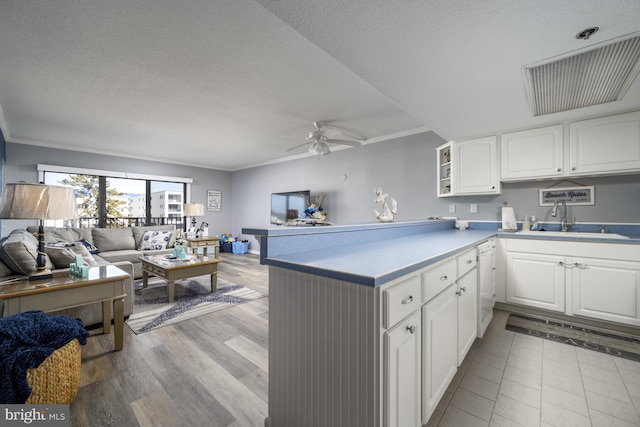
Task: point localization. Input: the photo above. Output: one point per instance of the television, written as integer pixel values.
(288, 206)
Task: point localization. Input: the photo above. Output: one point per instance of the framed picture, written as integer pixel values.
(213, 200)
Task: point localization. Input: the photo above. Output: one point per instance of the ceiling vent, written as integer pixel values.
(592, 77)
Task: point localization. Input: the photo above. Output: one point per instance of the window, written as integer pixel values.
(113, 199)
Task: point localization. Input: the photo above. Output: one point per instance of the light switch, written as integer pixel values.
(452, 208)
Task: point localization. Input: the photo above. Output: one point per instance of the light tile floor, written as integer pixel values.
(512, 379)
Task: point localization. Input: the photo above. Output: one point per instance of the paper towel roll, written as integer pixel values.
(508, 219)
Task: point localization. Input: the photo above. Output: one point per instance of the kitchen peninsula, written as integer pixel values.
(344, 317)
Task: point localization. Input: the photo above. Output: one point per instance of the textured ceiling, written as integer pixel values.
(217, 83)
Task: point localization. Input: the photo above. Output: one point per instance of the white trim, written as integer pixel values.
(111, 174)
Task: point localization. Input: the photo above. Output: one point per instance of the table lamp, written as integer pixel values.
(38, 201)
(193, 210)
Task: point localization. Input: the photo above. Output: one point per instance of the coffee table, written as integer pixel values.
(105, 284)
(177, 269)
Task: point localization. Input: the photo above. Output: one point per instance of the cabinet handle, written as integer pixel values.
(574, 168)
(579, 265)
(407, 300)
(464, 289)
(469, 261)
(443, 278)
(411, 328)
(559, 170)
(459, 293)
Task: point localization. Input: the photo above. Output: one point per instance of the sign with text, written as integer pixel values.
(34, 415)
(572, 196)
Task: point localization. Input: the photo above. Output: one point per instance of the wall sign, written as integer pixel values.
(572, 196)
(213, 200)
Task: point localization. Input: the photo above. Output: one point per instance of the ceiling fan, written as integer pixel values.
(318, 140)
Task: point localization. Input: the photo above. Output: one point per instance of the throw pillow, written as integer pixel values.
(62, 255)
(90, 247)
(19, 252)
(154, 240)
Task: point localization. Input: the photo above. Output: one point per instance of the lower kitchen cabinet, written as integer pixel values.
(440, 348)
(606, 289)
(402, 359)
(467, 313)
(536, 280)
(582, 279)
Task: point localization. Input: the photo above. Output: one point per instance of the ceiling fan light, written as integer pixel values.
(319, 148)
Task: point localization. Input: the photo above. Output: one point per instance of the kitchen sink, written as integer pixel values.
(575, 234)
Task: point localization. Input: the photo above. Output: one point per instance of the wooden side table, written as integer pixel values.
(204, 243)
(105, 284)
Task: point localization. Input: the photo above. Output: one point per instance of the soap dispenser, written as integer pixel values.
(534, 223)
(526, 224)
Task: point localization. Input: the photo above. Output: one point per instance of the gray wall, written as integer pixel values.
(22, 160)
(406, 169)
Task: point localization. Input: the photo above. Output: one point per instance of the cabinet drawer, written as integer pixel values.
(438, 278)
(466, 262)
(400, 300)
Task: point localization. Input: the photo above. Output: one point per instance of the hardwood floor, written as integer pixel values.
(206, 371)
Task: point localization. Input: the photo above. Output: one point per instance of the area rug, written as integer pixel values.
(192, 298)
(603, 341)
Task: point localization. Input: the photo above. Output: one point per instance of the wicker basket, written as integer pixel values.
(57, 379)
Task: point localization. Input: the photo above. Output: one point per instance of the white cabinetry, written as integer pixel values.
(583, 279)
(606, 289)
(468, 167)
(449, 322)
(606, 144)
(402, 355)
(440, 349)
(536, 280)
(533, 153)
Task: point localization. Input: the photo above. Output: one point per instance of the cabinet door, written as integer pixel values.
(475, 167)
(444, 170)
(606, 144)
(536, 280)
(534, 153)
(606, 289)
(440, 348)
(402, 356)
(467, 313)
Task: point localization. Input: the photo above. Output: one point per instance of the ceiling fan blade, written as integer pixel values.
(342, 132)
(297, 146)
(345, 142)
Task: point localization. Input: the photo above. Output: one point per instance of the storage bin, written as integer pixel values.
(240, 247)
(226, 247)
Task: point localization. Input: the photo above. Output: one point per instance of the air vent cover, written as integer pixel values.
(589, 78)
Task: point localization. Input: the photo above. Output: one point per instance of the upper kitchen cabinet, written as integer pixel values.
(605, 145)
(468, 167)
(534, 153)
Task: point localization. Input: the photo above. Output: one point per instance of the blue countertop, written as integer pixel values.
(376, 263)
(374, 254)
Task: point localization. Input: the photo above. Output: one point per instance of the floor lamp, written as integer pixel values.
(38, 201)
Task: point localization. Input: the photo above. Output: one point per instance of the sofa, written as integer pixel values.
(98, 246)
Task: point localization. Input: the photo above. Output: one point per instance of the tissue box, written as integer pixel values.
(240, 247)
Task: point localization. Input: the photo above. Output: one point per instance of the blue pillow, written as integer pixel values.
(92, 249)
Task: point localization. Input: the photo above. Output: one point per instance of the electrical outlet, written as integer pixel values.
(452, 208)
(473, 208)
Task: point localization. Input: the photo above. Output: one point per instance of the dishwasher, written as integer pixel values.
(486, 284)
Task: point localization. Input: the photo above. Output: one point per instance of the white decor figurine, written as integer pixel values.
(388, 213)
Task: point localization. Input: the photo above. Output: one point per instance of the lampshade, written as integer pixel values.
(193, 209)
(38, 201)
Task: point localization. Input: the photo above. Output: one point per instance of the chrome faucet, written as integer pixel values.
(554, 212)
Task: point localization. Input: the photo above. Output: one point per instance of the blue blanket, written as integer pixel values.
(26, 339)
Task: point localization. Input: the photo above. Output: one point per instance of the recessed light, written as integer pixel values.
(585, 34)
